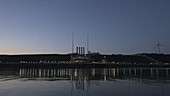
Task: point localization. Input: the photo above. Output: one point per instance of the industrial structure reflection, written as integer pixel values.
(88, 74)
(82, 79)
(95, 73)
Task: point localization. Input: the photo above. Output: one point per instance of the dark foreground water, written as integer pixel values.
(85, 82)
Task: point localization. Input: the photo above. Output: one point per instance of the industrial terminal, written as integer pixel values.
(85, 57)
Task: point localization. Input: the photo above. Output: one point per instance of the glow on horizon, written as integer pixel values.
(114, 26)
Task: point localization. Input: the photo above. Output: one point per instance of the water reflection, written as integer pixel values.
(82, 80)
(79, 75)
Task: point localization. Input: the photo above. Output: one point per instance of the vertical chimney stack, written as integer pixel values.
(80, 50)
(83, 50)
(77, 50)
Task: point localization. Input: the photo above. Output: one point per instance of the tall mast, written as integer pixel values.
(87, 42)
(159, 50)
(72, 42)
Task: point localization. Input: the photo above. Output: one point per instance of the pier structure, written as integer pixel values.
(100, 74)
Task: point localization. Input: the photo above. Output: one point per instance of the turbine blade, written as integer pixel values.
(155, 47)
(162, 45)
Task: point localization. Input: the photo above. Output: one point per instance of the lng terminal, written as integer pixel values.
(84, 58)
(80, 59)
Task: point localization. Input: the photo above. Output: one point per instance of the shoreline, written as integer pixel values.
(80, 65)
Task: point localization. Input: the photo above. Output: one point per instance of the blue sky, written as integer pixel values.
(114, 26)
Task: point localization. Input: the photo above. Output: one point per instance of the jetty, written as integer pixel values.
(85, 60)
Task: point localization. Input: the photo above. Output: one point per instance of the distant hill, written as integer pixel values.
(136, 58)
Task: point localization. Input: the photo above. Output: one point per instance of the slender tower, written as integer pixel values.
(72, 42)
(88, 43)
(158, 45)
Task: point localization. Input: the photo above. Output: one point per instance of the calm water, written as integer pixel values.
(85, 82)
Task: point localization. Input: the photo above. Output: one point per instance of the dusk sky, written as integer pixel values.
(114, 26)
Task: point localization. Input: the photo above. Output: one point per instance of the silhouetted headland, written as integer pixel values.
(83, 61)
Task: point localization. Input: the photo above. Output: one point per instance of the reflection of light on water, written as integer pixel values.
(135, 74)
(75, 73)
(93, 72)
(82, 80)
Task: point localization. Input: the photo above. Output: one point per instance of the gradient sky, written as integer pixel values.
(114, 26)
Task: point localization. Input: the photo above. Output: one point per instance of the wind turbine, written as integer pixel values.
(158, 45)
